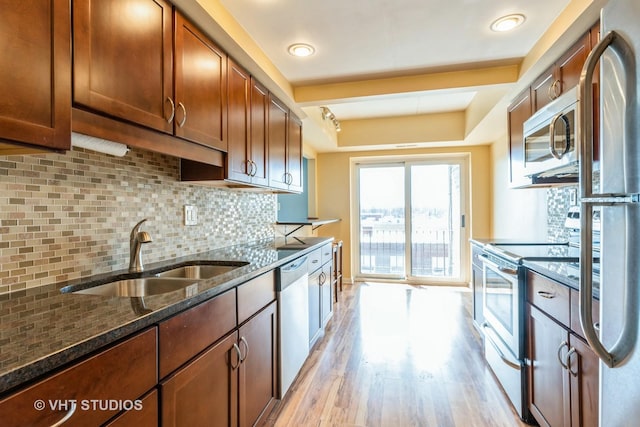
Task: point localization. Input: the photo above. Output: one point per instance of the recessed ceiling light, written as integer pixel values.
(508, 22)
(301, 49)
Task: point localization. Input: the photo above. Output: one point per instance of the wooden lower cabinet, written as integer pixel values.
(123, 372)
(549, 395)
(144, 415)
(584, 366)
(563, 370)
(205, 391)
(232, 383)
(257, 372)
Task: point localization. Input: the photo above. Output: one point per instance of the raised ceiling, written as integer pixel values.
(396, 45)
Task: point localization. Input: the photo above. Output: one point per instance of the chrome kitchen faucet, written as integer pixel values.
(136, 240)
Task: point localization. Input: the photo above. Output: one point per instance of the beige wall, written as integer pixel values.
(516, 213)
(334, 190)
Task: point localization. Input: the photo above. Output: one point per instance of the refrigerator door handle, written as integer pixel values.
(626, 340)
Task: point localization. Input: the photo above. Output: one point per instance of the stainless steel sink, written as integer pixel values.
(198, 272)
(141, 287)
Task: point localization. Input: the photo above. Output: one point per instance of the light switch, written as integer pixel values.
(190, 215)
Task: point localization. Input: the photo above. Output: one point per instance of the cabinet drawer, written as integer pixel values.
(315, 260)
(575, 313)
(123, 372)
(255, 294)
(187, 334)
(326, 253)
(549, 296)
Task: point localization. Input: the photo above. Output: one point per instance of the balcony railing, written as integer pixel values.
(382, 251)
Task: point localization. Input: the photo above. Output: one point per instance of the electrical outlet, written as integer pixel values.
(573, 197)
(190, 215)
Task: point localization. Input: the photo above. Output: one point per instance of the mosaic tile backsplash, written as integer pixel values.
(558, 203)
(69, 216)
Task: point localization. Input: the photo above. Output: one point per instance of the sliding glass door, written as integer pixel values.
(411, 220)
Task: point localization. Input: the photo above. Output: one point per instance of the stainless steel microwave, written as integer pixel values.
(550, 141)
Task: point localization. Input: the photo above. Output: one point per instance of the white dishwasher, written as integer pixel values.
(293, 320)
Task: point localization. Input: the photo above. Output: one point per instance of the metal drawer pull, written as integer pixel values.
(68, 415)
(173, 110)
(487, 333)
(596, 326)
(547, 295)
(562, 345)
(246, 346)
(184, 117)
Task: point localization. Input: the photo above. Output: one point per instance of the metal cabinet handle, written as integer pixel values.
(567, 359)
(253, 168)
(488, 331)
(552, 136)
(184, 112)
(596, 326)
(563, 344)
(626, 341)
(547, 295)
(323, 278)
(237, 349)
(173, 109)
(66, 417)
(553, 90)
(246, 347)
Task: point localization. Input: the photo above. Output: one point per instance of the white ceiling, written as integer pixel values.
(358, 40)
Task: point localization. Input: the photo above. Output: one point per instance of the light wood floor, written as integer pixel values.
(397, 355)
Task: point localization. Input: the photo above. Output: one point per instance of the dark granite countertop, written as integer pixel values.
(562, 272)
(42, 329)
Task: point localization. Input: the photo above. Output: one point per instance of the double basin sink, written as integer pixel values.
(178, 278)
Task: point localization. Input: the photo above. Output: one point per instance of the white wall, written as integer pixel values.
(517, 213)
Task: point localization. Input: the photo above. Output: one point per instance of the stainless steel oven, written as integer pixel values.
(503, 328)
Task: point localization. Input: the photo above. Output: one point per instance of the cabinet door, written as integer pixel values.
(204, 392)
(278, 118)
(314, 307)
(238, 85)
(258, 340)
(519, 111)
(294, 154)
(258, 136)
(570, 64)
(326, 294)
(584, 366)
(549, 393)
(200, 87)
(544, 89)
(122, 60)
(35, 73)
(144, 415)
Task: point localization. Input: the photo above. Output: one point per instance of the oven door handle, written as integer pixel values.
(494, 266)
(491, 336)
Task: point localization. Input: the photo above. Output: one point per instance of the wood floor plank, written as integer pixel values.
(397, 355)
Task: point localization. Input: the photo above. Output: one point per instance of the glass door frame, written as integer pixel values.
(462, 159)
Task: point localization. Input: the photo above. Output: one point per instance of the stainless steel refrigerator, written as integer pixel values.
(615, 191)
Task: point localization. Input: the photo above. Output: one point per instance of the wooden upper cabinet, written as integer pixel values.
(35, 74)
(285, 148)
(200, 87)
(258, 136)
(278, 118)
(563, 75)
(247, 107)
(123, 60)
(238, 86)
(294, 153)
